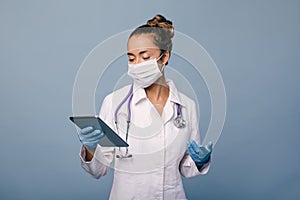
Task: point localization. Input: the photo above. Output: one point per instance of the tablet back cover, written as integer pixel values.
(111, 139)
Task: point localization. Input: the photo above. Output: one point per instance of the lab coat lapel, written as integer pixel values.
(168, 112)
(170, 107)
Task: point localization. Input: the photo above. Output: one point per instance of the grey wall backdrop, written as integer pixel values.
(255, 44)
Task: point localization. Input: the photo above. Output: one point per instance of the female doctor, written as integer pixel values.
(158, 122)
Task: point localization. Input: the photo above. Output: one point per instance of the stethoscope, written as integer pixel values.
(179, 122)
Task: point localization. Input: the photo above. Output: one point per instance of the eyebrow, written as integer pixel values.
(142, 52)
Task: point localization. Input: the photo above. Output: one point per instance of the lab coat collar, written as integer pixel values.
(174, 95)
(139, 94)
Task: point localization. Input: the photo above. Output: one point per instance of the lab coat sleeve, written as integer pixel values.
(100, 164)
(103, 156)
(187, 166)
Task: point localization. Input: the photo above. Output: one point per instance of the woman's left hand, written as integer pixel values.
(199, 154)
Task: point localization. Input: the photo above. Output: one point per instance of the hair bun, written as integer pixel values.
(161, 22)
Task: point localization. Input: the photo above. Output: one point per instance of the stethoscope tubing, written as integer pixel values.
(129, 95)
(129, 98)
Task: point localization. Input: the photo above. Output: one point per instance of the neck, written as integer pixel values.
(158, 92)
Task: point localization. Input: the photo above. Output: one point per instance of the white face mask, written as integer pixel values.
(146, 73)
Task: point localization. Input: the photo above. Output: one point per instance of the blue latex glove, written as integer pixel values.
(199, 154)
(89, 137)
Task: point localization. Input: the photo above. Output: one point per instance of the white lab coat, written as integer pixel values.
(158, 147)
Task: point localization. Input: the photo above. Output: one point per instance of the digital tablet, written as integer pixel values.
(111, 138)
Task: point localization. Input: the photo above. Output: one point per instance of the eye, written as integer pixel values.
(146, 58)
(131, 59)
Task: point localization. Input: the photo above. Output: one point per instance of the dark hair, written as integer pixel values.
(162, 30)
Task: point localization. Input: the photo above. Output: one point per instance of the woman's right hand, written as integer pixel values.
(90, 137)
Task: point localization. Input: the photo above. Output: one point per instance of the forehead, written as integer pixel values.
(140, 43)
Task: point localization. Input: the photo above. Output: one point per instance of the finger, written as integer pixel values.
(207, 157)
(188, 144)
(193, 155)
(195, 146)
(86, 130)
(95, 138)
(192, 152)
(202, 150)
(100, 136)
(209, 146)
(92, 134)
(205, 149)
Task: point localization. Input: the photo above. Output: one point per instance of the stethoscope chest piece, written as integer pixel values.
(179, 122)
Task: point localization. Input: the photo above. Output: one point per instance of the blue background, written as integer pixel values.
(255, 44)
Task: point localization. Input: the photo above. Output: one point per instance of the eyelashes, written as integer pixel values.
(144, 58)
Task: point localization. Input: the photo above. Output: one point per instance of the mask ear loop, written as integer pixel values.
(161, 55)
(162, 69)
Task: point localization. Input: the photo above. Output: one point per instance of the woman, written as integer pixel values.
(159, 149)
